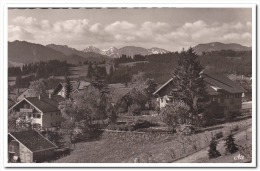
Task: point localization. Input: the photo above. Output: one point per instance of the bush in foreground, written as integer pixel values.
(231, 147)
(213, 152)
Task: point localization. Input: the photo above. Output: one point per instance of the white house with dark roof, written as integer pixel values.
(42, 110)
(222, 90)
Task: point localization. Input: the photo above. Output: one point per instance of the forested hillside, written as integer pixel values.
(160, 66)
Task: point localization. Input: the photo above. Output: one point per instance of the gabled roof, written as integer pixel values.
(215, 83)
(118, 91)
(170, 80)
(33, 140)
(44, 104)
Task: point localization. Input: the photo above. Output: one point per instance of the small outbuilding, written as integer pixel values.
(29, 146)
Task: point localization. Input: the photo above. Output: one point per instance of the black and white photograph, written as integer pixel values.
(133, 85)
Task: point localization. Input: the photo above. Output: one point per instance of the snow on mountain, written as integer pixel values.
(156, 50)
(92, 49)
(114, 52)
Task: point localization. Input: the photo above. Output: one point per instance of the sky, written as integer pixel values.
(168, 28)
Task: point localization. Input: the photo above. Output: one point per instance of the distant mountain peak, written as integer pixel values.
(92, 49)
(217, 46)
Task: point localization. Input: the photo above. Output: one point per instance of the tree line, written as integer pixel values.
(42, 69)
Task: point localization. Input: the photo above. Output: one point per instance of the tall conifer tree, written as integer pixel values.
(188, 80)
(68, 88)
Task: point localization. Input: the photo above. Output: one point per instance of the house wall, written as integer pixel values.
(162, 101)
(52, 119)
(25, 154)
(45, 155)
(62, 92)
(14, 146)
(229, 102)
(34, 114)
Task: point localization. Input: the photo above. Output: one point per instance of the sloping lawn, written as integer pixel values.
(147, 147)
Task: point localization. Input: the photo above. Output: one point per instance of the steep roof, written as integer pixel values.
(118, 91)
(165, 84)
(46, 104)
(33, 140)
(215, 83)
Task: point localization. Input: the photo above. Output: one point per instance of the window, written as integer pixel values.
(221, 100)
(51, 124)
(51, 114)
(38, 116)
(34, 115)
(11, 148)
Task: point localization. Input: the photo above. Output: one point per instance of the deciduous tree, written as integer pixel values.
(39, 87)
(174, 114)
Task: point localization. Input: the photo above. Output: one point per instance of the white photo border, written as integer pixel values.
(117, 4)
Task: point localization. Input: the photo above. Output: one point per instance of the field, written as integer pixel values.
(146, 147)
(132, 63)
(78, 71)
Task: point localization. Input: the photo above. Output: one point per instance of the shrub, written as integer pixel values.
(142, 124)
(135, 109)
(235, 128)
(213, 152)
(211, 114)
(230, 116)
(121, 127)
(185, 129)
(219, 135)
(175, 113)
(231, 147)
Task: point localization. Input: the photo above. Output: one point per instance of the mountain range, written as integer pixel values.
(21, 52)
(127, 50)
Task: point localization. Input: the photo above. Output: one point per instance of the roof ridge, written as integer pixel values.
(219, 80)
(46, 138)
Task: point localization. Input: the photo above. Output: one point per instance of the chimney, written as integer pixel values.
(39, 97)
(50, 96)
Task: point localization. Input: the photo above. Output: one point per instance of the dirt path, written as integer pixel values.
(193, 158)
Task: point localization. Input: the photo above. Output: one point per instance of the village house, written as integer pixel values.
(77, 86)
(29, 146)
(119, 92)
(42, 110)
(225, 92)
